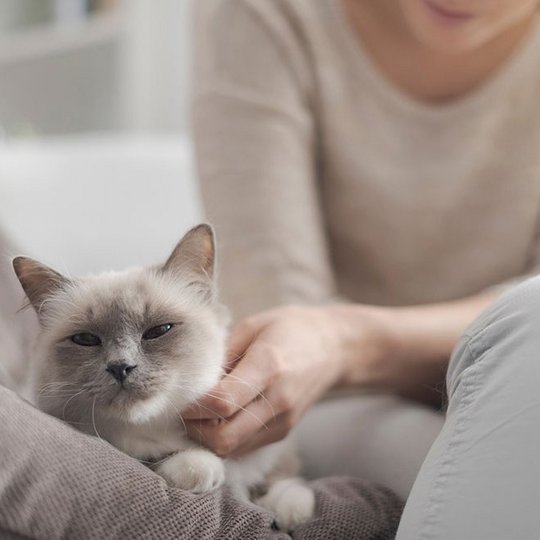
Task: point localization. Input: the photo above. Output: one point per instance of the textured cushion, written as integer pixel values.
(58, 483)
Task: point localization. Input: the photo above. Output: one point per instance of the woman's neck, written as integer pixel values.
(421, 72)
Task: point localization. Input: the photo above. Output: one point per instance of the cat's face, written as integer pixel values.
(130, 345)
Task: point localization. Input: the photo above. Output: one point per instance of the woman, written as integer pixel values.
(375, 165)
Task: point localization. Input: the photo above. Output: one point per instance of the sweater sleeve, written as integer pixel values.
(255, 139)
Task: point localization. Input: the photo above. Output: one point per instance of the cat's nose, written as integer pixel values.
(120, 370)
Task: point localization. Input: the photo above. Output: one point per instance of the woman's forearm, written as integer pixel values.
(403, 349)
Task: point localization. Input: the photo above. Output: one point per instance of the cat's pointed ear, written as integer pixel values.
(195, 254)
(38, 280)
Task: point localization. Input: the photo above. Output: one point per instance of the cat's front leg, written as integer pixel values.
(196, 470)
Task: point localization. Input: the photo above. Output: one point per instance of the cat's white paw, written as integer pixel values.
(196, 470)
(291, 501)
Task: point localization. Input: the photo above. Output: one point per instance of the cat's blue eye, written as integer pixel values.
(86, 339)
(157, 331)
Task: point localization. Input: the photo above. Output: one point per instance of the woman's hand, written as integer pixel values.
(280, 361)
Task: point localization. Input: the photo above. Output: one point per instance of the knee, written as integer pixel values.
(505, 333)
(518, 307)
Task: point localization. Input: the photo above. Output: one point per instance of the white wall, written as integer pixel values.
(89, 204)
(125, 71)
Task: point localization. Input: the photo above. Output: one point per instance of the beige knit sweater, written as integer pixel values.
(324, 180)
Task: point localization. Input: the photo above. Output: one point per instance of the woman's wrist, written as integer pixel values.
(401, 349)
(363, 341)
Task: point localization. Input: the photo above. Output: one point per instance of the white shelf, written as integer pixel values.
(49, 40)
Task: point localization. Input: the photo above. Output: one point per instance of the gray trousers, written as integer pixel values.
(480, 478)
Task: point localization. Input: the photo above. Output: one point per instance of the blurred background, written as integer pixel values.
(96, 167)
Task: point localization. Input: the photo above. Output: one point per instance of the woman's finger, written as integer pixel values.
(277, 429)
(226, 436)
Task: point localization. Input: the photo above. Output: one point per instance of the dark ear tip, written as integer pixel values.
(17, 262)
(204, 227)
(206, 230)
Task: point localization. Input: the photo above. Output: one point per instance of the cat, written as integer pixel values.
(120, 354)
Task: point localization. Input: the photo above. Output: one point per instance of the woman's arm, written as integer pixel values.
(413, 344)
(285, 359)
(255, 140)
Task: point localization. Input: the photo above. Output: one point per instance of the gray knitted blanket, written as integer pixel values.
(57, 483)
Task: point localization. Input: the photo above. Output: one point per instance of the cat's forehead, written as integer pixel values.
(121, 292)
(132, 296)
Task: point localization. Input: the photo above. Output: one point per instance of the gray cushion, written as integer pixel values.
(56, 482)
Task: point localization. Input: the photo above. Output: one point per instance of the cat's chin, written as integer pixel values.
(145, 410)
(138, 410)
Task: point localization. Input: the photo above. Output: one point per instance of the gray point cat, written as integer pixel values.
(121, 354)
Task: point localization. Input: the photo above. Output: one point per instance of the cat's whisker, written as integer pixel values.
(222, 418)
(52, 392)
(68, 401)
(56, 383)
(57, 392)
(259, 393)
(59, 385)
(237, 357)
(197, 428)
(94, 419)
(254, 416)
(202, 407)
(177, 411)
(57, 395)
